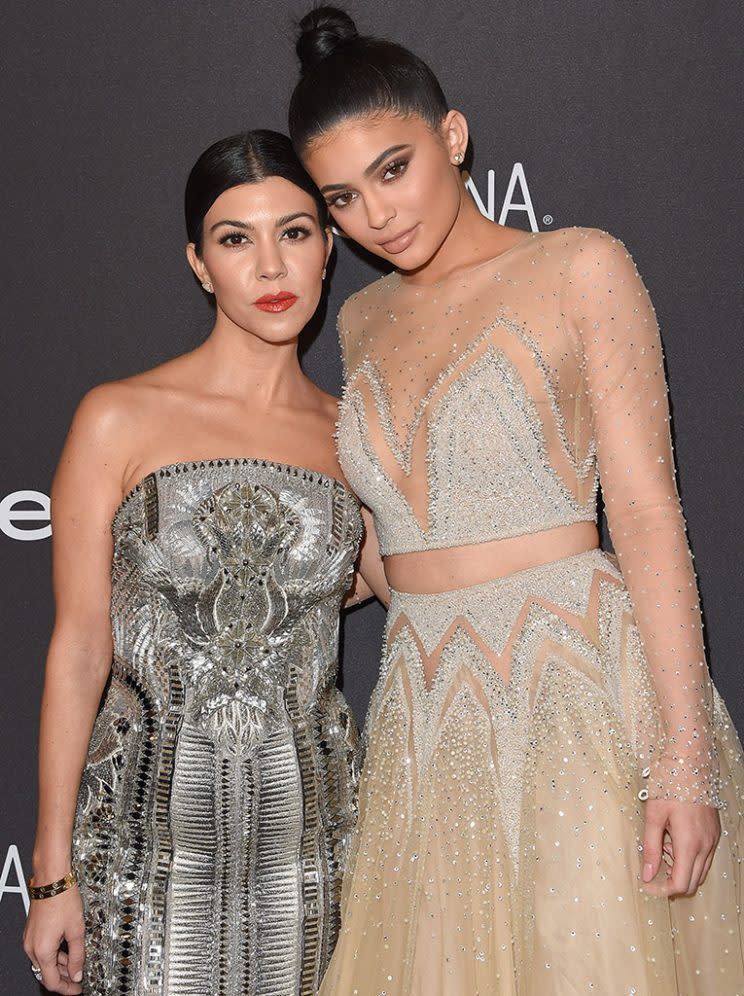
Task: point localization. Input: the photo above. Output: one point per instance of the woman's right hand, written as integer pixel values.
(50, 922)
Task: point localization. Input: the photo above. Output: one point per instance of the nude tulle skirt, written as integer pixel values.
(498, 851)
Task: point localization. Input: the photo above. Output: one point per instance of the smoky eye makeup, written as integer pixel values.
(396, 167)
(340, 200)
(392, 170)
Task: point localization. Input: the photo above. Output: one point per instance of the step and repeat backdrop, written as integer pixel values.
(620, 116)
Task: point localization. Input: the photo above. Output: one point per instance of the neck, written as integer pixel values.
(236, 363)
(471, 239)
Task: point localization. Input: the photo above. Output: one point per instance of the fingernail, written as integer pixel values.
(77, 977)
(648, 872)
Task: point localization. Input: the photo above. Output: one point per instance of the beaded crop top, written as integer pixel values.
(490, 405)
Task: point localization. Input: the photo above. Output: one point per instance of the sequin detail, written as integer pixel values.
(502, 805)
(218, 798)
(501, 823)
(515, 388)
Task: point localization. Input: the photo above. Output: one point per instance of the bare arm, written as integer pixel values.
(370, 578)
(86, 490)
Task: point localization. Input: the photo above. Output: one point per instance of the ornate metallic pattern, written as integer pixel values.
(217, 802)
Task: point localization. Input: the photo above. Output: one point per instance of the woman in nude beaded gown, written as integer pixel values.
(548, 766)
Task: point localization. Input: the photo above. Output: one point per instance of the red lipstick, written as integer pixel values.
(275, 303)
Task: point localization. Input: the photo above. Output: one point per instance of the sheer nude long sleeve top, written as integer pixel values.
(492, 404)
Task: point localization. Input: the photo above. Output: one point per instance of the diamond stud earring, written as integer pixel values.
(208, 287)
(458, 158)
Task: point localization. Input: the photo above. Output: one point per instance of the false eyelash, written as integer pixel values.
(332, 203)
(395, 164)
(231, 235)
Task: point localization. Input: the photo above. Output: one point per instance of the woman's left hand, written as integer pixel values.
(692, 833)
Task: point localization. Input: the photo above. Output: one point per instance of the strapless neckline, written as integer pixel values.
(188, 466)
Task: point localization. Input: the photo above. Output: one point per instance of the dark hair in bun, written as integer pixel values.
(321, 32)
(348, 75)
(249, 157)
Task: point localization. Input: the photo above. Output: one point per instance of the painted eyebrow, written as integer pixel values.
(248, 227)
(293, 217)
(369, 170)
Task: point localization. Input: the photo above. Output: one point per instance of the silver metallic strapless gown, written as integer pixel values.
(219, 792)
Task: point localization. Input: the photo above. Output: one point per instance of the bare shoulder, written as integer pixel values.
(105, 410)
(315, 424)
(109, 421)
(119, 406)
(172, 377)
(325, 404)
(322, 412)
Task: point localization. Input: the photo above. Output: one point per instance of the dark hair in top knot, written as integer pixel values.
(321, 32)
(348, 75)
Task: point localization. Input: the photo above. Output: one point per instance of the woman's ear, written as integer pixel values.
(455, 133)
(197, 265)
(329, 245)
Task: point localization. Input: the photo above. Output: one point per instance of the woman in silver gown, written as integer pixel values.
(215, 791)
(546, 756)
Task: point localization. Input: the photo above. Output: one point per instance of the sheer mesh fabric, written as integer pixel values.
(489, 404)
(524, 713)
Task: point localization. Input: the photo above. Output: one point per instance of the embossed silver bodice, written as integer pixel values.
(218, 797)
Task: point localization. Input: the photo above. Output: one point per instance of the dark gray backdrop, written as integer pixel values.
(622, 115)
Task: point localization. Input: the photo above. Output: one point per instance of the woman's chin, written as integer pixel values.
(411, 259)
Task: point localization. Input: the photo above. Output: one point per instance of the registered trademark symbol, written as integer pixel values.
(548, 219)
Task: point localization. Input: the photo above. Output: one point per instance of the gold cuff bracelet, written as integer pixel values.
(53, 889)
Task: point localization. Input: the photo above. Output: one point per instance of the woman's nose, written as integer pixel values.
(379, 213)
(270, 264)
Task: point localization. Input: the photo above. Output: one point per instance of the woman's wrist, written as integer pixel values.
(691, 778)
(50, 864)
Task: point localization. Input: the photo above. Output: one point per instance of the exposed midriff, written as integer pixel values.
(427, 572)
